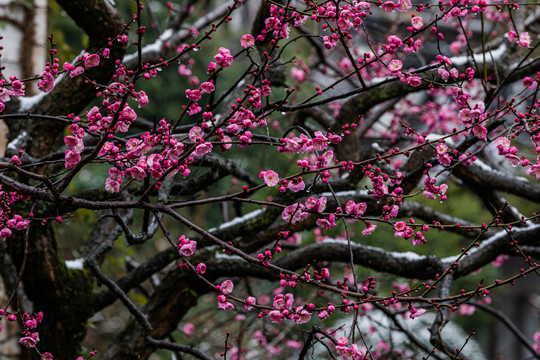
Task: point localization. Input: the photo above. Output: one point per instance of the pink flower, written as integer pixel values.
(327, 223)
(250, 300)
(395, 66)
(360, 209)
(71, 159)
(5, 233)
(201, 268)
(511, 35)
(195, 132)
(30, 340)
(106, 53)
(369, 229)
(414, 81)
(294, 213)
(296, 184)
(184, 70)
(92, 60)
(224, 57)
(47, 84)
(388, 6)
(112, 185)
(445, 75)
(534, 171)
(417, 22)
(46, 356)
(142, 99)
(404, 5)
(466, 309)
(524, 40)
(302, 316)
(270, 177)
(194, 109)
(186, 247)
(136, 172)
(227, 287)
(416, 313)
(275, 316)
(193, 95)
(207, 87)
(225, 306)
(480, 132)
(343, 341)
(188, 329)
(298, 74)
(247, 41)
(202, 149)
(76, 71)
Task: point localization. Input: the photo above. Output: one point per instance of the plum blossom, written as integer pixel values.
(315, 204)
(298, 74)
(202, 149)
(302, 316)
(296, 184)
(293, 213)
(186, 247)
(71, 159)
(47, 84)
(30, 340)
(524, 40)
(142, 99)
(188, 329)
(224, 57)
(416, 312)
(195, 132)
(388, 6)
(369, 229)
(248, 304)
(46, 356)
(404, 5)
(275, 316)
(327, 223)
(534, 171)
(91, 60)
(247, 41)
(226, 287)
(112, 185)
(395, 66)
(201, 268)
(270, 177)
(207, 87)
(5, 233)
(511, 35)
(76, 71)
(223, 303)
(417, 22)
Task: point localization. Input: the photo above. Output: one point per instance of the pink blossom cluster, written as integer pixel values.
(17, 89)
(302, 144)
(225, 288)
(186, 247)
(352, 352)
(296, 212)
(431, 189)
(8, 220)
(283, 309)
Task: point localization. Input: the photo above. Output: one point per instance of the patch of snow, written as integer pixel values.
(237, 220)
(77, 264)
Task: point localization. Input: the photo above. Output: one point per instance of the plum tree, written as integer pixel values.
(339, 180)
